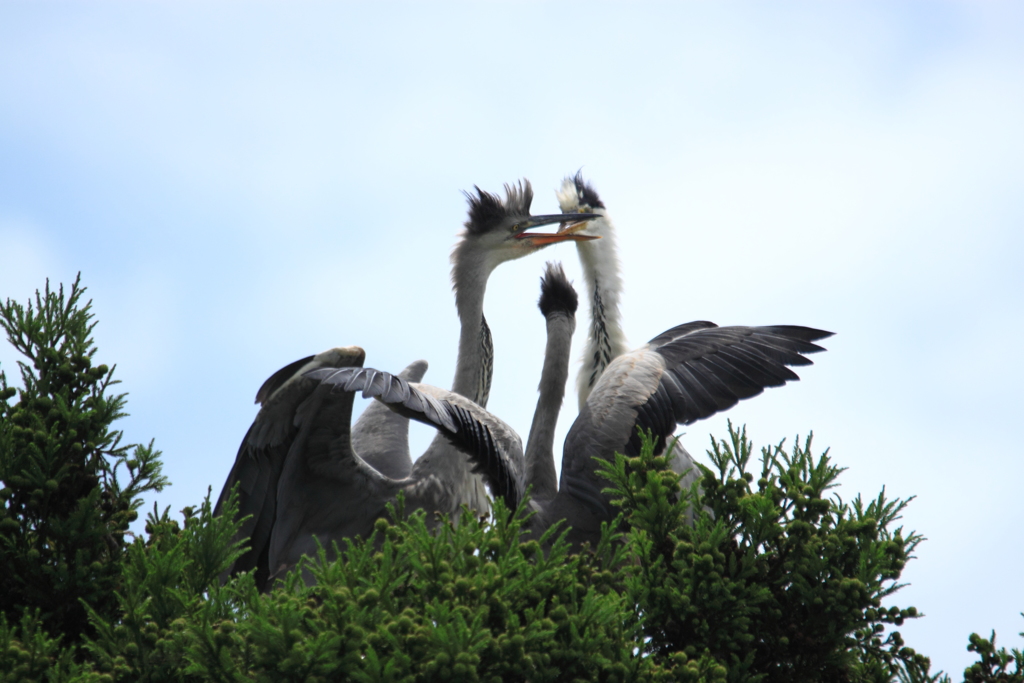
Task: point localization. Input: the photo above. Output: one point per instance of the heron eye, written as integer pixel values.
(515, 227)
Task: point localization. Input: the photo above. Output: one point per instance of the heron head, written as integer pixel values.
(577, 196)
(501, 227)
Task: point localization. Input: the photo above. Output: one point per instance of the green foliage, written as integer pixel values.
(774, 582)
(170, 582)
(65, 512)
(993, 666)
(464, 603)
(728, 581)
(29, 653)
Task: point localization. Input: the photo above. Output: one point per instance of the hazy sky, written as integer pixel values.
(242, 185)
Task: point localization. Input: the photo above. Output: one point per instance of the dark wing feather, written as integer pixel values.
(275, 381)
(254, 469)
(708, 369)
(680, 331)
(655, 415)
(683, 375)
(262, 453)
(492, 446)
(381, 437)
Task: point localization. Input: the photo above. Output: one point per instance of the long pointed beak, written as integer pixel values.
(537, 221)
(576, 222)
(544, 239)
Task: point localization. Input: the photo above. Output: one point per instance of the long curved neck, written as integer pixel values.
(605, 338)
(473, 369)
(474, 366)
(540, 458)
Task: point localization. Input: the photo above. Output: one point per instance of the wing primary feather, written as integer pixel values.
(799, 332)
(736, 375)
(745, 373)
(476, 438)
(356, 380)
(699, 395)
(681, 331)
(779, 354)
(754, 356)
(458, 423)
(278, 378)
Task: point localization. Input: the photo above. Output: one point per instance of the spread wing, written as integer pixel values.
(326, 491)
(381, 436)
(494, 448)
(683, 375)
(264, 451)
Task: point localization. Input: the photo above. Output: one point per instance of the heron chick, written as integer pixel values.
(299, 475)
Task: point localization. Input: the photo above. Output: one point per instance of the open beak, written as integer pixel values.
(568, 232)
(573, 228)
(570, 224)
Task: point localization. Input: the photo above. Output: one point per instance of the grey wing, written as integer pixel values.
(709, 369)
(326, 491)
(256, 471)
(684, 374)
(258, 464)
(277, 380)
(381, 436)
(263, 452)
(494, 448)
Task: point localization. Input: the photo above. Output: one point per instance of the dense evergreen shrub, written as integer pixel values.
(773, 581)
(65, 511)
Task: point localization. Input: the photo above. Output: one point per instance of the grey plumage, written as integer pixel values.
(381, 436)
(275, 381)
(481, 436)
(328, 493)
(684, 374)
(310, 481)
(497, 231)
(277, 431)
(299, 476)
(558, 303)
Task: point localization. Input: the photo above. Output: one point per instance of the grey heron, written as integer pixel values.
(494, 447)
(299, 470)
(276, 432)
(606, 340)
(685, 374)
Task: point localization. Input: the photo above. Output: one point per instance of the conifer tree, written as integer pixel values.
(65, 511)
(752, 576)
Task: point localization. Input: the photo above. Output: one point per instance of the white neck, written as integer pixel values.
(605, 337)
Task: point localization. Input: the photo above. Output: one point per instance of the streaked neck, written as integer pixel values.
(605, 338)
(474, 366)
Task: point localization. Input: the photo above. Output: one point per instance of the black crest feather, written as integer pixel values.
(556, 292)
(587, 193)
(487, 210)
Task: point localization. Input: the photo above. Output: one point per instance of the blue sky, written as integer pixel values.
(245, 184)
